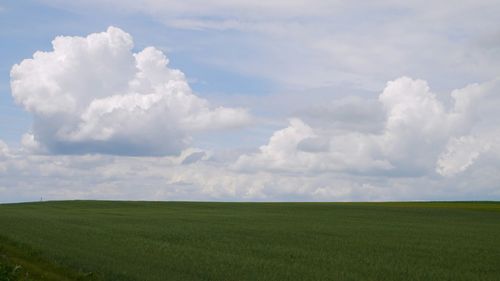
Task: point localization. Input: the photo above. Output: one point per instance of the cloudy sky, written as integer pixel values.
(246, 101)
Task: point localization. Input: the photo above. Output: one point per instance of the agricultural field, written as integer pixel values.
(104, 240)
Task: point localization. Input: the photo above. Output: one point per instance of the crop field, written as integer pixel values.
(104, 240)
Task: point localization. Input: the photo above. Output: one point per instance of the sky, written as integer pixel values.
(249, 101)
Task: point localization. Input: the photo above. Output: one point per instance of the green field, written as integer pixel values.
(99, 240)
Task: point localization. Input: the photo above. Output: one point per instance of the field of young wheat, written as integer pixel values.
(104, 240)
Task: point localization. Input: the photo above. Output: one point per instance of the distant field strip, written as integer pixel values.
(104, 240)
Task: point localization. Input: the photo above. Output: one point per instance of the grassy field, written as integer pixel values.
(99, 240)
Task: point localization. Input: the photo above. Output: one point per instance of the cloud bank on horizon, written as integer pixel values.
(114, 122)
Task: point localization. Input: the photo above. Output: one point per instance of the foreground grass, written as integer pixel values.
(98, 240)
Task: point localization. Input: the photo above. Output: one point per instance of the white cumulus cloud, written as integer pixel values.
(300, 148)
(420, 136)
(93, 94)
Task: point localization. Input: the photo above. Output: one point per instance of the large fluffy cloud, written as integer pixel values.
(300, 148)
(420, 136)
(93, 94)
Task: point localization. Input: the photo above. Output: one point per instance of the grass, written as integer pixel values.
(100, 240)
